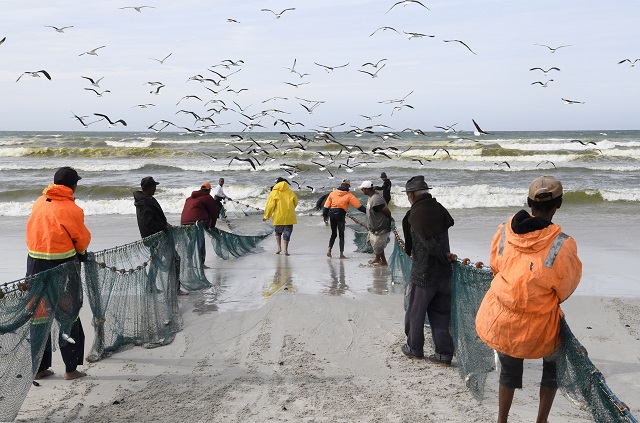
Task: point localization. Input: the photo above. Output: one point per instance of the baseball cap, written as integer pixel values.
(366, 184)
(416, 183)
(206, 185)
(148, 181)
(346, 181)
(66, 176)
(545, 188)
(383, 175)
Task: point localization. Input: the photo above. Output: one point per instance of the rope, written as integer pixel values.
(359, 222)
(247, 206)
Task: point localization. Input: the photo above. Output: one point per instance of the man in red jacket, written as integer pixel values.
(201, 207)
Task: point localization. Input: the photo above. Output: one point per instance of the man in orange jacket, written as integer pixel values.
(335, 210)
(56, 234)
(536, 267)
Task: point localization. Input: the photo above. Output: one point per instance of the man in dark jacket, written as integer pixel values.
(201, 207)
(385, 188)
(151, 218)
(425, 228)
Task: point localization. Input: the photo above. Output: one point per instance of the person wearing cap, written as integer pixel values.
(56, 234)
(219, 195)
(335, 211)
(385, 188)
(535, 267)
(426, 231)
(281, 207)
(378, 222)
(200, 207)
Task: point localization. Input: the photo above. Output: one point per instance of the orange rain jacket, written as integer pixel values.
(339, 199)
(55, 229)
(533, 273)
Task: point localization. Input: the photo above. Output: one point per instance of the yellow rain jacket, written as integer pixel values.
(533, 273)
(281, 204)
(55, 229)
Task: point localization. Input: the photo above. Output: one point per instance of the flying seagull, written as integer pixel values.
(61, 29)
(547, 161)
(405, 3)
(86, 125)
(501, 163)
(567, 101)
(631, 63)
(545, 72)
(552, 49)
(543, 84)
(411, 35)
(3, 40)
(244, 160)
(443, 149)
(92, 52)
(373, 75)
(99, 94)
(384, 28)
(94, 82)
(111, 123)
(584, 143)
(232, 20)
(136, 8)
(277, 15)
(375, 65)
(161, 61)
(330, 68)
(36, 74)
(447, 128)
(478, 131)
(295, 85)
(157, 90)
(458, 41)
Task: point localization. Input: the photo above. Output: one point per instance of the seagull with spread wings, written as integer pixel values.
(94, 82)
(161, 61)
(631, 63)
(60, 30)
(384, 28)
(543, 84)
(111, 123)
(405, 3)
(567, 101)
(98, 94)
(545, 72)
(461, 42)
(331, 68)
(374, 74)
(478, 130)
(136, 8)
(411, 35)
(36, 74)
(552, 49)
(277, 15)
(92, 52)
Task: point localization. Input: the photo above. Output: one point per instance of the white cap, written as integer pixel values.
(366, 184)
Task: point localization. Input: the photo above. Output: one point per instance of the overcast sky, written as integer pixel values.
(448, 83)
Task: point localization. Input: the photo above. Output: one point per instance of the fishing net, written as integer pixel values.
(190, 246)
(578, 379)
(227, 244)
(31, 309)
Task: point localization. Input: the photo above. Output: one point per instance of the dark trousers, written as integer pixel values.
(337, 229)
(72, 354)
(434, 302)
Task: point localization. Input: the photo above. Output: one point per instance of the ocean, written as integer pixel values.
(466, 172)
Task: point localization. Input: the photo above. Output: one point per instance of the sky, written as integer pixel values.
(425, 81)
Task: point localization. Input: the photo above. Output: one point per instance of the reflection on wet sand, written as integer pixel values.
(282, 279)
(208, 301)
(338, 282)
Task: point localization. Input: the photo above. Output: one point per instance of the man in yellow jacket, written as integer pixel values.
(536, 267)
(56, 234)
(281, 204)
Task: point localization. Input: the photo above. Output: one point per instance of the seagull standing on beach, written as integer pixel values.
(36, 74)
(407, 2)
(277, 15)
(61, 29)
(92, 52)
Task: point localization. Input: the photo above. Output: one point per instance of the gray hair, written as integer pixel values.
(421, 192)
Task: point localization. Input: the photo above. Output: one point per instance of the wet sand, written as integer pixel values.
(307, 338)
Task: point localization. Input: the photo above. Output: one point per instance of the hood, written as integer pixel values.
(199, 193)
(529, 233)
(139, 199)
(58, 192)
(342, 191)
(281, 186)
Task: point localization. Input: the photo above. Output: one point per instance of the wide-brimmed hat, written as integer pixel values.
(66, 176)
(545, 188)
(416, 183)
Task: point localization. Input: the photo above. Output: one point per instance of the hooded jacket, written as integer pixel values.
(535, 267)
(281, 204)
(151, 218)
(339, 200)
(55, 229)
(200, 207)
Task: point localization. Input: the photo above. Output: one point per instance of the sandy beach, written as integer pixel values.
(307, 338)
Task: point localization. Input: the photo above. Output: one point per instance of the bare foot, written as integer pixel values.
(74, 375)
(342, 256)
(286, 253)
(373, 261)
(278, 252)
(43, 374)
(329, 253)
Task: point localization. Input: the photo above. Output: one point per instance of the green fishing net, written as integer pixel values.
(227, 244)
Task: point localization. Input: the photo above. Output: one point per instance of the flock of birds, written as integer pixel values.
(216, 81)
